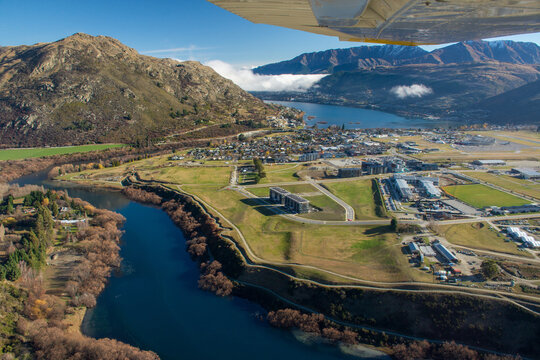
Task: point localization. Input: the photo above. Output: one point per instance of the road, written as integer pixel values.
(488, 218)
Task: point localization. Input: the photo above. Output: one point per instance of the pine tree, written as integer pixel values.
(54, 208)
(9, 207)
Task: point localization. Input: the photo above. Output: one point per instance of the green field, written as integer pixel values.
(481, 196)
(479, 236)
(357, 194)
(17, 154)
(525, 187)
(280, 173)
(200, 175)
(330, 210)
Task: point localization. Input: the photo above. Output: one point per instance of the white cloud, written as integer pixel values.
(247, 80)
(415, 90)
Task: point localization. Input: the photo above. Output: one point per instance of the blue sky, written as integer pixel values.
(197, 29)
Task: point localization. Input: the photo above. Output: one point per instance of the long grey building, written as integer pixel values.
(349, 172)
(278, 194)
(444, 252)
(296, 204)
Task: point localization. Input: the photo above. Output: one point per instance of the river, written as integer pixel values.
(154, 302)
(356, 118)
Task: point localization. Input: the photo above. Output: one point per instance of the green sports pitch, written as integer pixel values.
(18, 154)
(481, 196)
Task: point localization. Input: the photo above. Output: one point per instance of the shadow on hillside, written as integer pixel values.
(378, 230)
(262, 206)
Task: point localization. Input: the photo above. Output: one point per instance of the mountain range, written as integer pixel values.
(369, 57)
(474, 81)
(95, 89)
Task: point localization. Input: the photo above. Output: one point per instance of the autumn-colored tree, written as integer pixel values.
(212, 279)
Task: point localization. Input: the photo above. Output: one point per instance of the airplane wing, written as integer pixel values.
(404, 22)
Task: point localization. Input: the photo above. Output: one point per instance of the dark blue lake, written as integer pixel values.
(154, 302)
(356, 118)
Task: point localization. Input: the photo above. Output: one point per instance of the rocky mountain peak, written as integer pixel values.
(94, 88)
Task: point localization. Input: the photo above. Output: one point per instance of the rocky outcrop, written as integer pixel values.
(95, 89)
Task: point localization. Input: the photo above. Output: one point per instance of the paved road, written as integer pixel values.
(489, 218)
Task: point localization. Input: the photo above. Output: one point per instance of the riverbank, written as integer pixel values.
(61, 253)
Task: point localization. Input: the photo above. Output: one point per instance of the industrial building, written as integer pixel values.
(349, 172)
(402, 188)
(296, 204)
(413, 248)
(430, 190)
(526, 173)
(278, 194)
(522, 236)
(427, 250)
(527, 208)
(444, 252)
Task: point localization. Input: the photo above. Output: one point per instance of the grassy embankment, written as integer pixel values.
(17, 154)
(521, 186)
(480, 196)
(479, 236)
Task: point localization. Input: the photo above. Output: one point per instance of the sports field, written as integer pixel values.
(481, 196)
(17, 154)
(525, 187)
